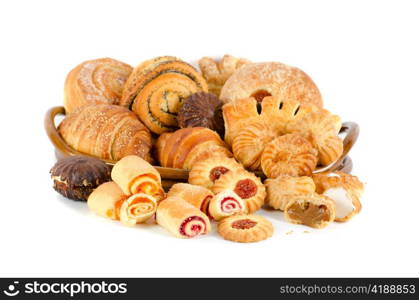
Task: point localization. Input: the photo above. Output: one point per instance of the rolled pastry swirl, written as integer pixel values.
(281, 189)
(224, 204)
(344, 189)
(156, 88)
(198, 196)
(98, 81)
(181, 218)
(137, 209)
(185, 147)
(106, 200)
(134, 175)
(246, 185)
(313, 210)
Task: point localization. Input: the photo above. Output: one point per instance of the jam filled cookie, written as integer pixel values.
(134, 175)
(312, 210)
(198, 196)
(98, 81)
(290, 154)
(281, 189)
(156, 89)
(250, 141)
(344, 189)
(137, 209)
(217, 72)
(76, 177)
(182, 219)
(202, 110)
(246, 185)
(245, 228)
(322, 129)
(259, 80)
(224, 204)
(206, 172)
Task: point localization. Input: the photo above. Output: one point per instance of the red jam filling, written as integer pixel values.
(246, 188)
(196, 228)
(205, 204)
(243, 224)
(217, 172)
(232, 204)
(260, 95)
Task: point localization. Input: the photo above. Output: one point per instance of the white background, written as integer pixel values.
(363, 55)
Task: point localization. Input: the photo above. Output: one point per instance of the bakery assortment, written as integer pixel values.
(76, 177)
(245, 135)
(98, 81)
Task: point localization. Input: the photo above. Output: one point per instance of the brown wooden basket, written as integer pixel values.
(171, 175)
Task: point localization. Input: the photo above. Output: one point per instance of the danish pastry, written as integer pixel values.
(137, 209)
(134, 175)
(246, 185)
(250, 141)
(106, 131)
(98, 81)
(206, 172)
(224, 204)
(217, 72)
(313, 210)
(181, 218)
(76, 177)
(202, 110)
(260, 80)
(185, 147)
(245, 228)
(284, 187)
(322, 129)
(344, 189)
(106, 200)
(290, 154)
(156, 89)
(198, 196)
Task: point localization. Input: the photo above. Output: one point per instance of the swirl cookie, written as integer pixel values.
(224, 204)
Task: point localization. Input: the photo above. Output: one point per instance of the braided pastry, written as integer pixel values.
(156, 88)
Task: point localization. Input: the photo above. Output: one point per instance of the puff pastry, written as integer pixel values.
(250, 141)
(185, 147)
(260, 80)
(246, 185)
(137, 209)
(181, 218)
(206, 172)
(156, 88)
(313, 210)
(217, 72)
(290, 154)
(321, 128)
(134, 175)
(245, 228)
(344, 189)
(198, 196)
(224, 204)
(284, 187)
(98, 81)
(106, 200)
(106, 131)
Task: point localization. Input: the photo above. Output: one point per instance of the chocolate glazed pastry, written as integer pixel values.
(156, 89)
(202, 110)
(76, 177)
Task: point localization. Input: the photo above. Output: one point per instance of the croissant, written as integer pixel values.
(184, 147)
(98, 81)
(135, 175)
(106, 131)
(344, 189)
(156, 88)
(198, 196)
(321, 128)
